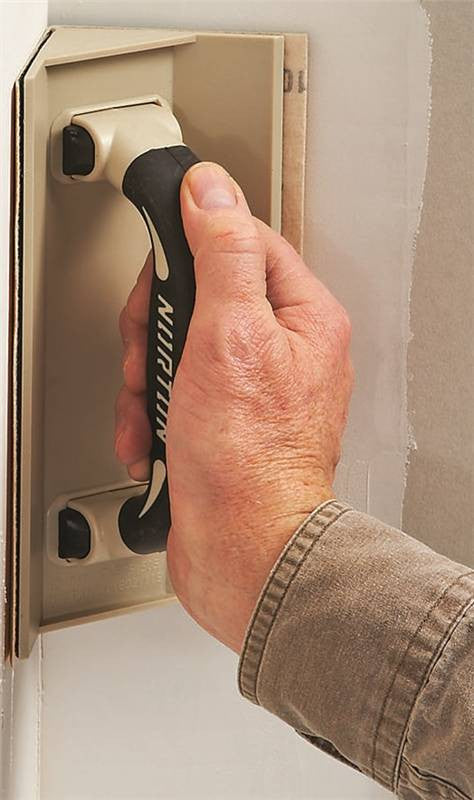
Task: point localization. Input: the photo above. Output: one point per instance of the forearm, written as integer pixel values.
(362, 641)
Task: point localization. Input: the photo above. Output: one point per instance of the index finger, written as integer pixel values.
(139, 298)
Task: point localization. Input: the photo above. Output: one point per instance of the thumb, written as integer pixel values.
(229, 251)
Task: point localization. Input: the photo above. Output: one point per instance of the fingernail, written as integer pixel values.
(211, 188)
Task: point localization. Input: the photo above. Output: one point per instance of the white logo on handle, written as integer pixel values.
(165, 310)
(157, 481)
(161, 264)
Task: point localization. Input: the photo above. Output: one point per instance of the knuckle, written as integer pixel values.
(309, 317)
(328, 328)
(123, 322)
(231, 339)
(337, 328)
(136, 308)
(343, 325)
(238, 351)
(247, 340)
(131, 309)
(121, 400)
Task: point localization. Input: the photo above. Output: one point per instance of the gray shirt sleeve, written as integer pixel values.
(363, 641)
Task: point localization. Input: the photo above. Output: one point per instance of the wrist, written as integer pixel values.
(219, 572)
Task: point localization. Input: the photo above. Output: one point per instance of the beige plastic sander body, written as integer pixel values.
(107, 123)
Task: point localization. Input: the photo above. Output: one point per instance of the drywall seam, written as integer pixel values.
(438, 501)
(377, 484)
(410, 430)
(408, 433)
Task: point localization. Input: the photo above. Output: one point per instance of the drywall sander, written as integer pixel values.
(94, 131)
(138, 149)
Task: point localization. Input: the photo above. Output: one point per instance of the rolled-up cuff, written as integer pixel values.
(344, 632)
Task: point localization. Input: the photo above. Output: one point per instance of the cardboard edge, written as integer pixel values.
(295, 88)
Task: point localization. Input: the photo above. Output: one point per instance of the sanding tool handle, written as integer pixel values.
(152, 183)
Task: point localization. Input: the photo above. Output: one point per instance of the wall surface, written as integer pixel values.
(439, 500)
(146, 706)
(21, 24)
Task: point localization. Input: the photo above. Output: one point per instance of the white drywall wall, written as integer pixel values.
(21, 24)
(146, 706)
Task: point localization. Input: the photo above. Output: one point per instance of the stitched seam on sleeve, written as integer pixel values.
(464, 611)
(250, 643)
(429, 670)
(442, 793)
(286, 557)
(401, 663)
(425, 777)
(434, 661)
(253, 638)
(289, 584)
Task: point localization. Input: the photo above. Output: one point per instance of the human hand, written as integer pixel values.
(258, 405)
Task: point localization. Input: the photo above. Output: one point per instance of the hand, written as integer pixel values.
(258, 405)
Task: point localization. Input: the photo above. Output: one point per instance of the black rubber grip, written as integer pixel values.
(152, 183)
